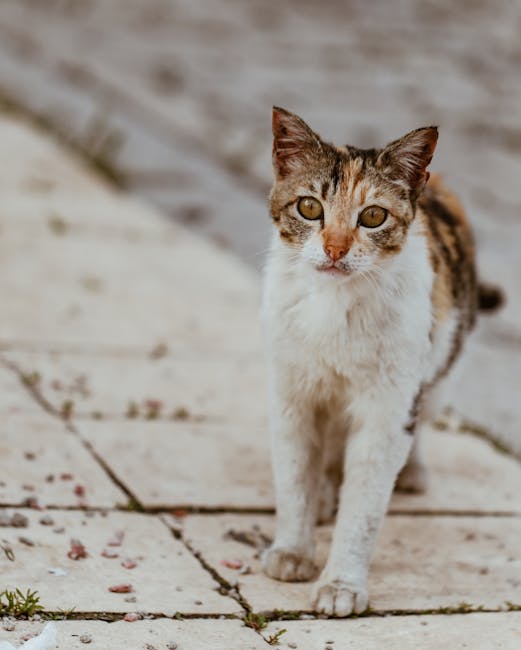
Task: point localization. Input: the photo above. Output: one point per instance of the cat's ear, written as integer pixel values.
(294, 143)
(406, 160)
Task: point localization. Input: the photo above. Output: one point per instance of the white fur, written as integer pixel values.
(357, 349)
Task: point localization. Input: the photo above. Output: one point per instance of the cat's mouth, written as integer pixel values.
(334, 270)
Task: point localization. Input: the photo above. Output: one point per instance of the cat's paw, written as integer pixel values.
(339, 598)
(288, 565)
(412, 479)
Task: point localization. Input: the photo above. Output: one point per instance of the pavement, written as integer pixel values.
(131, 373)
(134, 423)
(172, 100)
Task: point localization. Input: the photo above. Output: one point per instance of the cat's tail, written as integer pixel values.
(490, 298)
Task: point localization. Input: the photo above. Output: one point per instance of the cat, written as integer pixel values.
(370, 289)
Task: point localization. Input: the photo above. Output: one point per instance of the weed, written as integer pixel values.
(31, 378)
(60, 614)
(256, 621)
(16, 603)
(66, 409)
(274, 639)
(134, 506)
(132, 410)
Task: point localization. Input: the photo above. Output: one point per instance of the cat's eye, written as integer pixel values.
(372, 217)
(310, 208)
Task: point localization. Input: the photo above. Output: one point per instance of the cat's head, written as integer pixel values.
(342, 209)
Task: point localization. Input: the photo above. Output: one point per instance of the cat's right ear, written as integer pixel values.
(294, 143)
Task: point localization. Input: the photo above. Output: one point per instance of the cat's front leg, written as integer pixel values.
(296, 462)
(376, 450)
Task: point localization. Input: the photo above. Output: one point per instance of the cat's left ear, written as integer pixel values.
(407, 159)
(294, 143)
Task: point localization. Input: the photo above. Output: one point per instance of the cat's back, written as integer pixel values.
(451, 249)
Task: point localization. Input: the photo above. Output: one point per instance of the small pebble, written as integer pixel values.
(57, 571)
(292, 645)
(77, 550)
(59, 530)
(171, 645)
(19, 521)
(198, 602)
(47, 520)
(179, 589)
(79, 490)
(26, 541)
(9, 627)
(130, 599)
(85, 638)
(32, 502)
(121, 589)
(132, 616)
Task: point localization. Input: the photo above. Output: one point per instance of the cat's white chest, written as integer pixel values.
(327, 331)
(337, 330)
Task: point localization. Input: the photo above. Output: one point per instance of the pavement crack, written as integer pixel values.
(225, 587)
(133, 504)
(482, 432)
(31, 383)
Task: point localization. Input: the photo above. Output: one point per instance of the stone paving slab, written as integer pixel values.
(40, 460)
(491, 631)
(214, 466)
(156, 634)
(179, 464)
(166, 580)
(109, 212)
(485, 391)
(466, 474)
(116, 302)
(421, 562)
(200, 385)
(33, 163)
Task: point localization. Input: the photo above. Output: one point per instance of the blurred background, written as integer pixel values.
(172, 100)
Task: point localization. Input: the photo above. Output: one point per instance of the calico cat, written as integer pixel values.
(370, 290)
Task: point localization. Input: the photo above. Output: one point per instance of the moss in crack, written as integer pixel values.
(134, 506)
(31, 379)
(60, 614)
(512, 607)
(67, 409)
(257, 622)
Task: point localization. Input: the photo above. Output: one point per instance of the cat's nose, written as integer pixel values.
(335, 251)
